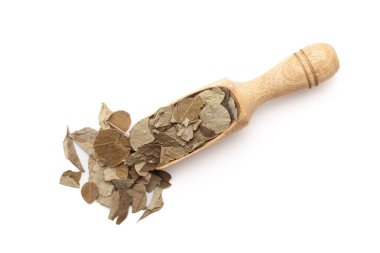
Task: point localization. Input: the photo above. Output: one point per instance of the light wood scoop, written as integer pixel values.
(305, 69)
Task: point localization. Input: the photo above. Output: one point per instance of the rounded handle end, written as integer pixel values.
(319, 62)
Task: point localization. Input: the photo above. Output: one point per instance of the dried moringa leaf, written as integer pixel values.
(162, 117)
(153, 182)
(172, 132)
(85, 138)
(165, 178)
(151, 149)
(213, 96)
(133, 174)
(215, 117)
(186, 133)
(196, 125)
(110, 174)
(115, 205)
(122, 212)
(206, 132)
(171, 153)
(105, 188)
(104, 115)
(123, 184)
(156, 203)
(138, 194)
(120, 207)
(144, 180)
(70, 178)
(106, 201)
(164, 139)
(187, 110)
(120, 120)
(89, 192)
(122, 171)
(110, 147)
(70, 152)
(141, 134)
(198, 140)
(232, 108)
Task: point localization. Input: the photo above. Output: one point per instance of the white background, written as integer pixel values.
(303, 176)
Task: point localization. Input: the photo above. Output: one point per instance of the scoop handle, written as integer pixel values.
(305, 69)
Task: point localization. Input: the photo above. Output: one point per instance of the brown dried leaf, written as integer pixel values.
(165, 178)
(156, 203)
(70, 178)
(153, 182)
(187, 110)
(151, 149)
(141, 134)
(120, 120)
(144, 180)
(105, 188)
(171, 153)
(106, 201)
(139, 198)
(110, 174)
(172, 132)
(165, 140)
(196, 125)
(123, 184)
(91, 163)
(133, 174)
(229, 104)
(70, 152)
(90, 192)
(122, 213)
(186, 133)
(206, 132)
(120, 207)
(215, 117)
(104, 115)
(122, 171)
(85, 138)
(110, 147)
(162, 117)
(138, 168)
(213, 96)
(232, 108)
(198, 140)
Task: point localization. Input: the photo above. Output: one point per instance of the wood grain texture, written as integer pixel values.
(305, 69)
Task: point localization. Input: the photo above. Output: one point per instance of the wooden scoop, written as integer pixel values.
(305, 69)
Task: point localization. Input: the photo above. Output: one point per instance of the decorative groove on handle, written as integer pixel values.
(311, 67)
(307, 68)
(304, 69)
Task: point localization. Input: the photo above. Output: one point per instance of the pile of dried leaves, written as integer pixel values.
(124, 168)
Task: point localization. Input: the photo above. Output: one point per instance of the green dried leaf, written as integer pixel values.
(171, 153)
(213, 96)
(162, 117)
(215, 117)
(187, 110)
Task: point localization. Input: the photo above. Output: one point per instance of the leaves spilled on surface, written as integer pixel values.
(70, 178)
(124, 168)
(90, 192)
